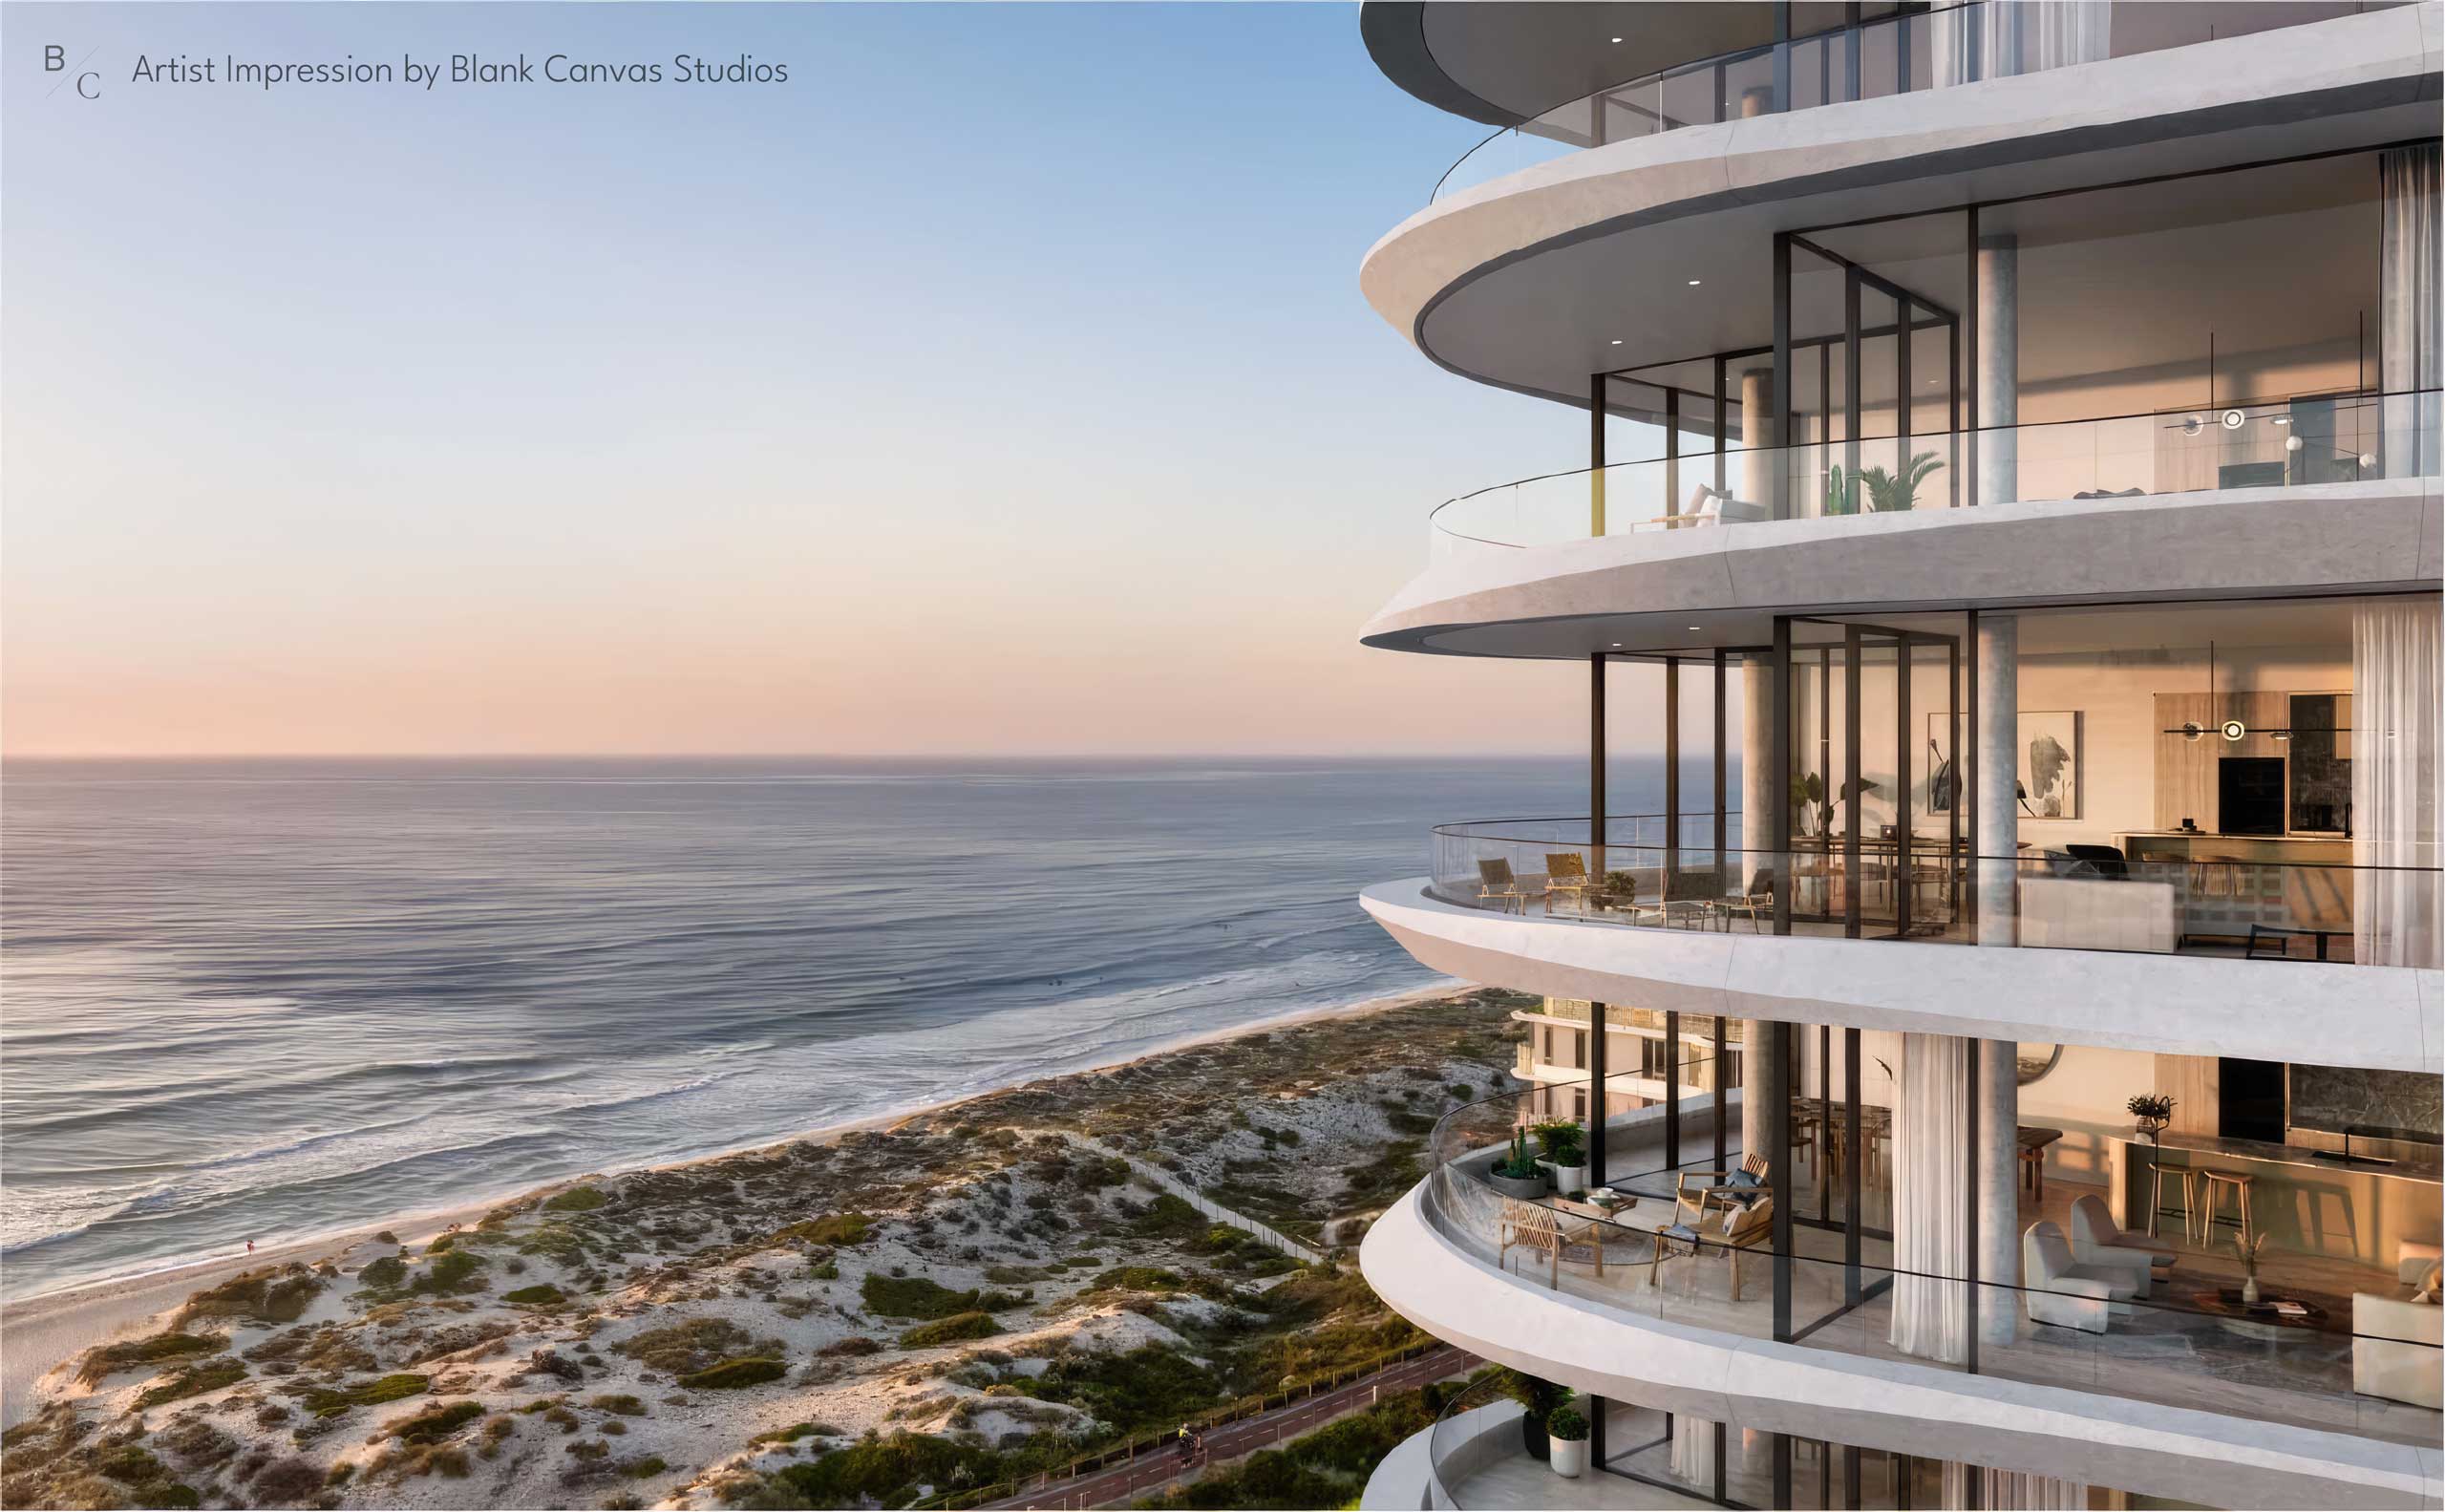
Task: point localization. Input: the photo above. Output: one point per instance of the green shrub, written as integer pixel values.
(328, 1402)
(621, 1402)
(539, 1296)
(698, 1344)
(385, 1274)
(853, 1345)
(795, 1432)
(576, 1199)
(171, 1345)
(451, 1273)
(433, 1424)
(731, 1375)
(260, 1296)
(1138, 1278)
(916, 1297)
(641, 1466)
(952, 1329)
(887, 1471)
(194, 1381)
(843, 1230)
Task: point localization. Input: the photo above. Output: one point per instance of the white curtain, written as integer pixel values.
(2409, 259)
(1693, 1452)
(2398, 684)
(1931, 1198)
(2013, 1488)
(2000, 38)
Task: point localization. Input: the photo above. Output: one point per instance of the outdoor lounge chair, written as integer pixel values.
(1693, 1192)
(1496, 885)
(1737, 1231)
(1566, 879)
(1538, 1229)
(1756, 903)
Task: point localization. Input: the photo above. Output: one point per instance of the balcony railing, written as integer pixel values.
(2173, 1344)
(1903, 53)
(1934, 890)
(2242, 449)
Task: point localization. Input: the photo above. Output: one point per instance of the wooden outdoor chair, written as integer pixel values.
(1693, 1192)
(1496, 885)
(1538, 1229)
(1565, 878)
(1755, 904)
(1737, 1231)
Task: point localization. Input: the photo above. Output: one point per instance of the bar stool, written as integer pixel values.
(2189, 1181)
(2218, 1182)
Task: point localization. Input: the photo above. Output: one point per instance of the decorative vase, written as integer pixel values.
(2249, 1289)
(1570, 1457)
(2153, 1128)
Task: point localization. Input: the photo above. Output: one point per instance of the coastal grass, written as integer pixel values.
(194, 1381)
(952, 1329)
(107, 1359)
(325, 1402)
(696, 1344)
(433, 1423)
(576, 1199)
(918, 1297)
(537, 1296)
(840, 1230)
(732, 1374)
(255, 1296)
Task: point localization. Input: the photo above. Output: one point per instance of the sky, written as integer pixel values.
(998, 384)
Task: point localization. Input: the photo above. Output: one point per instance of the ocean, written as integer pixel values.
(271, 999)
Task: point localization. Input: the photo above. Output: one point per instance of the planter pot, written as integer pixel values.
(1527, 1188)
(1568, 1177)
(1570, 1457)
(1533, 1439)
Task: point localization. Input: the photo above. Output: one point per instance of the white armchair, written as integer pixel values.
(2394, 1350)
(2096, 1240)
(2063, 1292)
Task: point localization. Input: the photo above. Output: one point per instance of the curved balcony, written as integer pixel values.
(2161, 1396)
(1949, 45)
(1876, 937)
(2214, 503)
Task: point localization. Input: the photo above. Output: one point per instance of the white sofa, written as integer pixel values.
(2096, 913)
(2414, 1260)
(2096, 1240)
(2063, 1292)
(2395, 1348)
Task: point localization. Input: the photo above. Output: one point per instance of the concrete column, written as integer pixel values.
(1998, 378)
(1996, 1190)
(1759, 794)
(1995, 816)
(1756, 478)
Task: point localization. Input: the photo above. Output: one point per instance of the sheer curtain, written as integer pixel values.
(2397, 686)
(1693, 1452)
(2410, 258)
(2012, 1488)
(1931, 1198)
(1999, 38)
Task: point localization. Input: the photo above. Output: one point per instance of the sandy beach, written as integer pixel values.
(46, 1333)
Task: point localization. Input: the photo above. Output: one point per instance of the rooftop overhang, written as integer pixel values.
(1502, 63)
(1582, 265)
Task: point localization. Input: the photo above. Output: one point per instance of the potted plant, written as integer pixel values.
(1518, 1174)
(1540, 1399)
(1569, 1431)
(1615, 889)
(1565, 1155)
(2152, 1109)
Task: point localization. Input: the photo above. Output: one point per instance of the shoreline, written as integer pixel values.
(50, 1328)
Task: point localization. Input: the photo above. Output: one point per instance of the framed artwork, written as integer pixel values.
(2050, 763)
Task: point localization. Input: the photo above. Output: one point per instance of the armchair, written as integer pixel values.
(2395, 1348)
(2096, 1240)
(2061, 1290)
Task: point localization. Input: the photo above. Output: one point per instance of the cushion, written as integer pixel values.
(2430, 1285)
(1679, 1231)
(1746, 1181)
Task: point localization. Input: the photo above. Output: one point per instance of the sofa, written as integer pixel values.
(2096, 1240)
(2062, 1291)
(2395, 1348)
(2096, 913)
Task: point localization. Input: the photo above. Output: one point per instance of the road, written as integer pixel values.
(1124, 1482)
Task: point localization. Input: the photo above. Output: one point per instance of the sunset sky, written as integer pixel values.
(999, 384)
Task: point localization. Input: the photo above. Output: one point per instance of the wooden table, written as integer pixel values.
(2033, 1142)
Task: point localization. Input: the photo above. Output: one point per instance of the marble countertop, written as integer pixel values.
(2420, 1165)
